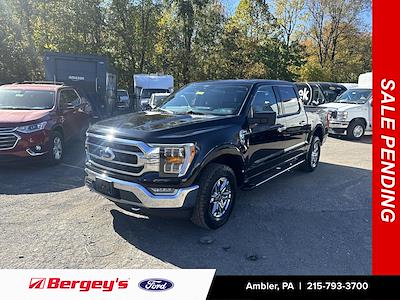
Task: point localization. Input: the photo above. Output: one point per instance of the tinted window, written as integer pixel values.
(26, 99)
(317, 95)
(205, 98)
(304, 92)
(332, 91)
(290, 102)
(69, 96)
(264, 100)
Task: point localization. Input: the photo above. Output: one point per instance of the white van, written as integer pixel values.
(351, 113)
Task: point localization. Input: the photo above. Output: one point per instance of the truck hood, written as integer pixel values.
(340, 106)
(8, 116)
(152, 125)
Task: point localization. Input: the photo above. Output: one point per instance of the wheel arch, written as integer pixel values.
(230, 156)
(59, 129)
(361, 119)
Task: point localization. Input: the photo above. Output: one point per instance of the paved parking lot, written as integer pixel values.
(299, 223)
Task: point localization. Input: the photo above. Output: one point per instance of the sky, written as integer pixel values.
(232, 4)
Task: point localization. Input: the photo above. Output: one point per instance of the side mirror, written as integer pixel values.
(264, 118)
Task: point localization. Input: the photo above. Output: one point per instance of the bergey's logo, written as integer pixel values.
(106, 154)
(156, 284)
(37, 283)
(80, 285)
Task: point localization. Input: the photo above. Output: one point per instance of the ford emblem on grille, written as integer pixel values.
(156, 284)
(106, 154)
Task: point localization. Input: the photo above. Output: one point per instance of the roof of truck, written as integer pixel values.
(247, 81)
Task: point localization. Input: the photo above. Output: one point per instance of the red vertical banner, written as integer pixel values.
(386, 138)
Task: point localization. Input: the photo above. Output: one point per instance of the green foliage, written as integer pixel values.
(191, 39)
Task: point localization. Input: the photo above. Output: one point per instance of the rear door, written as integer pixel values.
(294, 119)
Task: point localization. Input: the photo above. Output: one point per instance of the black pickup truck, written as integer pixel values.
(205, 141)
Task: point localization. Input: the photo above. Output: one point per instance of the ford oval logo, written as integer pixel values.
(156, 285)
(106, 154)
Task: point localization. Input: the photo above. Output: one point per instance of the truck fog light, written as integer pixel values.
(163, 190)
(38, 148)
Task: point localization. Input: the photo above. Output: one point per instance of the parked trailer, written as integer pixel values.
(92, 75)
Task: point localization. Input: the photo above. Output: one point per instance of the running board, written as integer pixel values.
(270, 177)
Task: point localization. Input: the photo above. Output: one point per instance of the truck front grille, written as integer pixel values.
(8, 139)
(118, 155)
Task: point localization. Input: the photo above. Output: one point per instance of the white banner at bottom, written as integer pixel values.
(103, 284)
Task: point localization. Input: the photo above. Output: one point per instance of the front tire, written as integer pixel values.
(216, 196)
(313, 155)
(356, 130)
(56, 149)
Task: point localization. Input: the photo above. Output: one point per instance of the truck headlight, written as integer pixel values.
(342, 115)
(32, 128)
(176, 159)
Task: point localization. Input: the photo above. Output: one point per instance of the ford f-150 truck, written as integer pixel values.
(203, 142)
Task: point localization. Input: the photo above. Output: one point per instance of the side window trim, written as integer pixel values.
(281, 101)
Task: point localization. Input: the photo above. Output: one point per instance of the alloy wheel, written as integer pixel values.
(358, 131)
(221, 196)
(315, 154)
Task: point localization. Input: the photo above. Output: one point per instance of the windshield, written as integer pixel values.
(26, 99)
(146, 93)
(207, 99)
(355, 96)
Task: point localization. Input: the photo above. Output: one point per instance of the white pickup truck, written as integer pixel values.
(351, 113)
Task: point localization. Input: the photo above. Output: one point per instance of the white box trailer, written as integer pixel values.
(144, 85)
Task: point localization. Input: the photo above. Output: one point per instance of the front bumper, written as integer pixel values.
(138, 196)
(338, 127)
(25, 145)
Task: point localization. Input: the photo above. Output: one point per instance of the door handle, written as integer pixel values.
(281, 129)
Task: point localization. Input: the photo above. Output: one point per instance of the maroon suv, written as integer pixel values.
(36, 119)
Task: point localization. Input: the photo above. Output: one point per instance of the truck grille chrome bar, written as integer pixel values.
(122, 156)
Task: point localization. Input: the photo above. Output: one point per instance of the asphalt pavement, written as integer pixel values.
(297, 224)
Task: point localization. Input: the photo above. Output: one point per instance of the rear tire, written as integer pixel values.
(313, 155)
(56, 149)
(216, 196)
(356, 130)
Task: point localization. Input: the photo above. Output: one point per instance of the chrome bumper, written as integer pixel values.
(146, 198)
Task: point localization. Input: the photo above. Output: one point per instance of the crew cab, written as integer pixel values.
(37, 118)
(202, 144)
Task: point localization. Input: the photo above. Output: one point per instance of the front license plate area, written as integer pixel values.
(106, 188)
